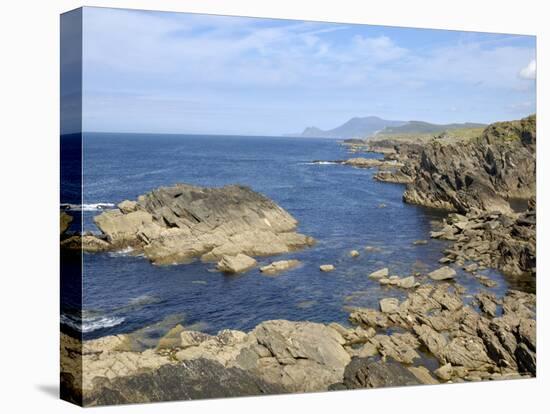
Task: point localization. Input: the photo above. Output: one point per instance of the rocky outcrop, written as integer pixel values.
(190, 380)
(467, 344)
(505, 242)
(481, 175)
(180, 223)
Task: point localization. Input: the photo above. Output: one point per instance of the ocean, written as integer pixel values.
(343, 208)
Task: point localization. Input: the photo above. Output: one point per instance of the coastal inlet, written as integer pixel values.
(341, 207)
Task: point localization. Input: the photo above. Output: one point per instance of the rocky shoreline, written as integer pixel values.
(478, 178)
(435, 334)
(488, 338)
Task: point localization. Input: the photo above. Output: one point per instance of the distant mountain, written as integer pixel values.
(354, 128)
(419, 127)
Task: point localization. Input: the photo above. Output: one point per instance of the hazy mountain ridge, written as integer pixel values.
(357, 127)
(364, 127)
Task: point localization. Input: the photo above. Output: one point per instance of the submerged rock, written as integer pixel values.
(279, 266)
(180, 223)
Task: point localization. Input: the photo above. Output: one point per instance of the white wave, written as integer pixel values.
(86, 325)
(87, 207)
(321, 163)
(123, 252)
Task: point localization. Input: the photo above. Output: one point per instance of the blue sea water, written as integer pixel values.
(343, 208)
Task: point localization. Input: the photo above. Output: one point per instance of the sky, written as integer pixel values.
(166, 72)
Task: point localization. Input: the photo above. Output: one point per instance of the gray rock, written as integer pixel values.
(442, 273)
(306, 356)
(279, 266)
(444, 372)
(366, 373)
(236, 264)
(487, 303)
(400, 347)
(407, 282)
(389, 305)
(379, 274)
(127, 206)
(195, 379)
(423, 375)
(370, 318)
(433, 340)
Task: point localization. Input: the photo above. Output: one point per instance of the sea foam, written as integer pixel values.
(90, 324)
(87, 207)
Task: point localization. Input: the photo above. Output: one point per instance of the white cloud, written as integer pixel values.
(529, 71)
(189, 64)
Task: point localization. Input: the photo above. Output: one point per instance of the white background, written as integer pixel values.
(29, 227)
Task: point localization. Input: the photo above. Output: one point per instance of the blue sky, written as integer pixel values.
(187, 73)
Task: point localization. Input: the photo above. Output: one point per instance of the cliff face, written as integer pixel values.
(481, 175)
